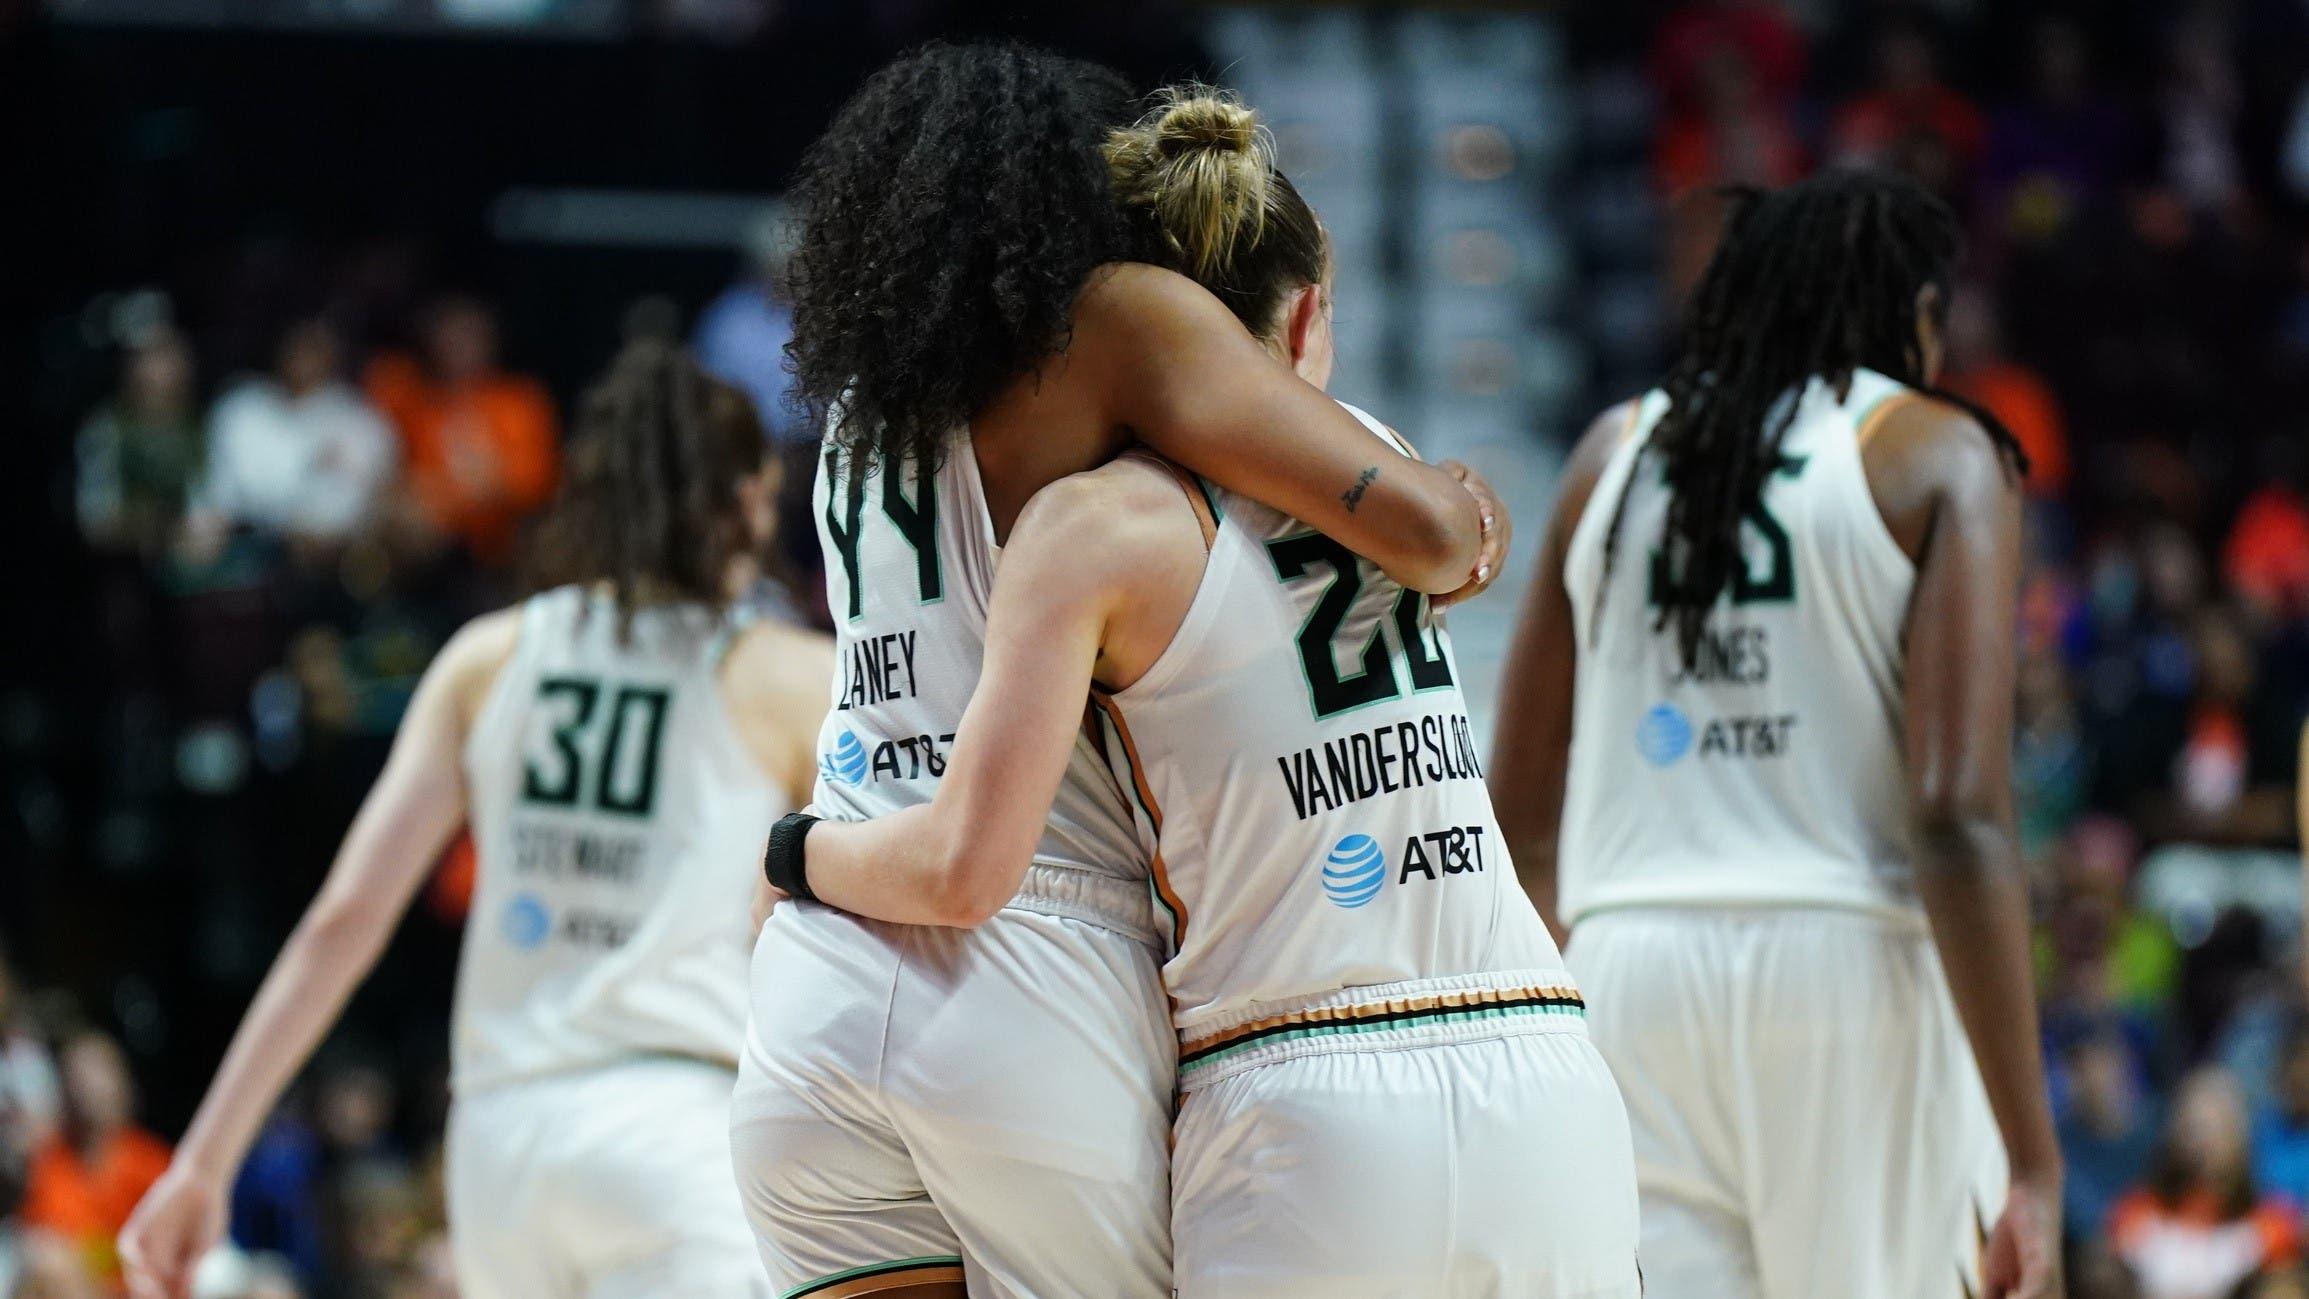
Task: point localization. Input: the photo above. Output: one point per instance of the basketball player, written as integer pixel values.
(919, 1108)
(1776, 811)
(616, 746)
(1387, 1086)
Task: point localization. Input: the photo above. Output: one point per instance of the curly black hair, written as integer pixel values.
(949, 217)
(648, 502)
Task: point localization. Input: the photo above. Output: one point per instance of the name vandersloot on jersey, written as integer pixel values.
(1400, 755)
(878, 669)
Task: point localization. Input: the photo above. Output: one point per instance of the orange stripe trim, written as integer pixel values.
(1154, 811)
(1874, 423)
(913, 1283)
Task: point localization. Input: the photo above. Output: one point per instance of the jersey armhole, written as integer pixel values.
(1197, 492)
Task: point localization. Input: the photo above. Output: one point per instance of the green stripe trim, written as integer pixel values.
(873, 1269)
(1306, 1031)
(1211, 499)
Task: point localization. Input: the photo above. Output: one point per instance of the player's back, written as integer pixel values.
(616, 814)
(1771, 770)
(1305, 768)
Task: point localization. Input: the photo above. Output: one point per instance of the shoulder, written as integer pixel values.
(1590, 454)
(1139, 302)
(771, 658)
(1923, 454)
(468, 665)
(1108, 528)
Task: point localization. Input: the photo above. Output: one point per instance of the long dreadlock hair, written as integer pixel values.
(1812, 281)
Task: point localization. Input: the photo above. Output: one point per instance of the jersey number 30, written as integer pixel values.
(606, 757)
(1375, 679)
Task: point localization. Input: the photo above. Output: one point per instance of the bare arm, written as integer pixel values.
(1531, 753)
(1960, 673)
(1193, 384)
(416, 806)
(958, 858)
(778, 682)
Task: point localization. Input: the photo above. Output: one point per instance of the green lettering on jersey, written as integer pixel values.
(624, 762)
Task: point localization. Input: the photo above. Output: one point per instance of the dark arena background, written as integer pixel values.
(445, 211)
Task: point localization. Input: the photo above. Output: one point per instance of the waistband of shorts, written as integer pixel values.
(1381, 1017)
(1124, 906)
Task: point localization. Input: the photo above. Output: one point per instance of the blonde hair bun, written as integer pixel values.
(1206, 121)
(1202, 169)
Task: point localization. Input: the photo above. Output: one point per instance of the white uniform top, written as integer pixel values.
(1307, 774)
(618, 819)
(910, 560)
(1772, 774)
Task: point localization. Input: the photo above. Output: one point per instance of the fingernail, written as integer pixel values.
(1483, 573)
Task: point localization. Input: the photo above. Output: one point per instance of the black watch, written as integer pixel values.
(783, 862)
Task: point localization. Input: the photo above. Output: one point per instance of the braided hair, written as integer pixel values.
(648, 504)
(1812, 281)
(950, 215)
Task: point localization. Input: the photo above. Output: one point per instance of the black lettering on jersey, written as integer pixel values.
(1414, 859)
(1381, 760)
(1422, 648)
(843, 528)
(878, 669)
(917, 521)
(1327, 690)
(623, 762)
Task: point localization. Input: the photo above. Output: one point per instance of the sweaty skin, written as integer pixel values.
(1953, 505)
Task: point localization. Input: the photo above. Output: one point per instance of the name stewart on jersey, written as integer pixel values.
(1437, 748)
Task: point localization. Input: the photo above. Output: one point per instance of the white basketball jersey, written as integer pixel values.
(1772, 771)
(1306, 772)
(910, 556)
(618, 819)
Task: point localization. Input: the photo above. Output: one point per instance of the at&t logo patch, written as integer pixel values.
(846, 765)
(1663, 735)
(1355, 871)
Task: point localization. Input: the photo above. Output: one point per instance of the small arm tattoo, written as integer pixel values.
(1353, 496)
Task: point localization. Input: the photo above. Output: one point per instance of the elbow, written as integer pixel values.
(1435, 551)
(962, 894)
(1961, 832)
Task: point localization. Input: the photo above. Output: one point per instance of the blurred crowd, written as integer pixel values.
(300, 478)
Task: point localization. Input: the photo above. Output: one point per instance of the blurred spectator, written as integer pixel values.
(480, 444)
(2200, 109)
(2197, 1228)
(742, 334)
(297, 454)
(29, 1093)
(2281, 1133)
(140, 452)
(2266, 557)
(1909, 117)
(1979, 370)
(89, 1175)
(2108, 1130)
(2055, 153)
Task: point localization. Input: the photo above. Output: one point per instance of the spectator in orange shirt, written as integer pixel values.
(2197, 1228)
(480, 445)
(1908, 108)
(88, 1176)
(1979, 371)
